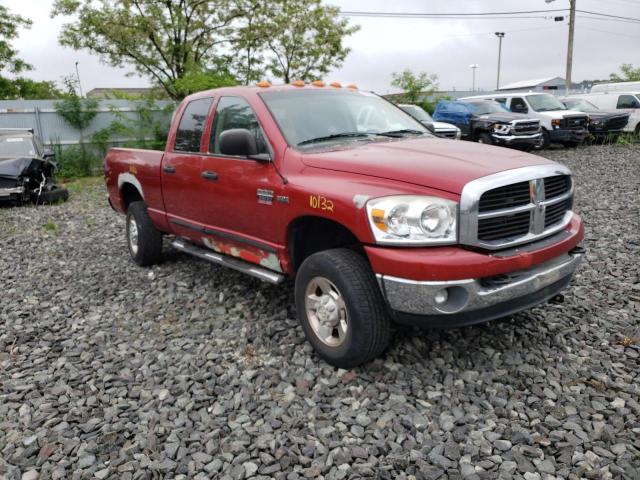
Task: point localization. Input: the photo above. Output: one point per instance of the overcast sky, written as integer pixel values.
(532, 48)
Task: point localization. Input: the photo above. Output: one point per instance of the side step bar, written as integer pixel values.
(231, 262)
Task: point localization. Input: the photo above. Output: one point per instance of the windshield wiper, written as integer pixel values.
(399, 133)
(336, 135)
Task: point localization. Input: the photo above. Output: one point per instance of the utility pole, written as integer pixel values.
(500, 36)
(79, 84)
(572, 24)
(473, 67)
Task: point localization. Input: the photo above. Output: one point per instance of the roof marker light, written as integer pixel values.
(352, 86)
(318, 83)
(263, 84)
(336, 85)
(298, 83)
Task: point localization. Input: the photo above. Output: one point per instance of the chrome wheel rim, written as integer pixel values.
(133, 235)
(326, 312)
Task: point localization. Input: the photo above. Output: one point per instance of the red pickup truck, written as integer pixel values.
(377, 220)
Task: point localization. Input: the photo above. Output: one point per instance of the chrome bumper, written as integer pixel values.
(515, 138)
(458, 296)
(5, 192)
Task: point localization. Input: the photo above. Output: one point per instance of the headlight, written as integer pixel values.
(413, 220)
(502, 128)
(458, 133)
(596, 122)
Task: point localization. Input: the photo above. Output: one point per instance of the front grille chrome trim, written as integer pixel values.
(470, 203)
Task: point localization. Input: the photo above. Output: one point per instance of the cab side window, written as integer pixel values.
(628, 101)
(191, 125)
(518, 105)
(235, 112)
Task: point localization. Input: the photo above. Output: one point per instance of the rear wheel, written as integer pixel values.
(143, 239)
(485, 138)
(340, 308)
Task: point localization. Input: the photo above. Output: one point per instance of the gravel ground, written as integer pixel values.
(188, 370)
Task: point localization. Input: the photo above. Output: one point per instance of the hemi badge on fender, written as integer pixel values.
(265, 197)
(282, 199)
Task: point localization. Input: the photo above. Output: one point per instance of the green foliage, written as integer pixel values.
(148, 129)
(627, 74)
(9, 26)
(301, 40)
(77, 112)
(415, 87)
(198, 80)
(158, 39)
(75, 161)
(50, 226)
(28, 89)
(178, 44)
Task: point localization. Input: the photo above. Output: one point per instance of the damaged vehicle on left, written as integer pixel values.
(27, 169)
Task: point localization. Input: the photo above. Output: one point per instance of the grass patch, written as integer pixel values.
(50, 226)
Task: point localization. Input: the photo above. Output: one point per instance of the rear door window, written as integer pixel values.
(628, 101)
(191, 126)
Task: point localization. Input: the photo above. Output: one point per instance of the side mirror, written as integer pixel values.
(48, 154)
(238, 142)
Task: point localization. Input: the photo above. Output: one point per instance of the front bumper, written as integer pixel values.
(568, 135)
(472, 301)
(534, 139)
(7, 192)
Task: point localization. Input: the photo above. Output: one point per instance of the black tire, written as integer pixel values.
(485, 138)
(546, 139)
(368, 325)
(148, 248)
(55, 195)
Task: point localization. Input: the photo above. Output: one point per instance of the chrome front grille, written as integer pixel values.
(515, 207)
(526, 127)
(576, 121)
(446, 133)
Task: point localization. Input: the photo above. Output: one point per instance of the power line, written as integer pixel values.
(609, 33)
(607, 19)
(482, 15)
(449, 14)
(608, 15)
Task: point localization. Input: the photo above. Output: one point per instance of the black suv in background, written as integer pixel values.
(603, 124)
(486, 121)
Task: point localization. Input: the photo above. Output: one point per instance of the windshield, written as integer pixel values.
(545, 103)
(306, 116)
(482, 108)
(417, 113)
(13, 146)
(581, 105)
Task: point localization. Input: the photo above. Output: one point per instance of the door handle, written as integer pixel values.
(169, 169)
(209, 175)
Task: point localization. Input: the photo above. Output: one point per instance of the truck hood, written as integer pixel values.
(444, 126)
(430, 162)
(505, 117)
(560, 113)
(14, 167)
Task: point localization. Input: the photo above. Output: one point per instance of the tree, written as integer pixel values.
(414, 87)
(28, 89)
(303, 38)
(629, 74)
(196, 80)
(79, 113)
(159, 39)
(9, 25)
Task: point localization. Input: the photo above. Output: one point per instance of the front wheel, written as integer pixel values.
(546, 140)
(485, 138)
(143, 239)
(340, 308)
